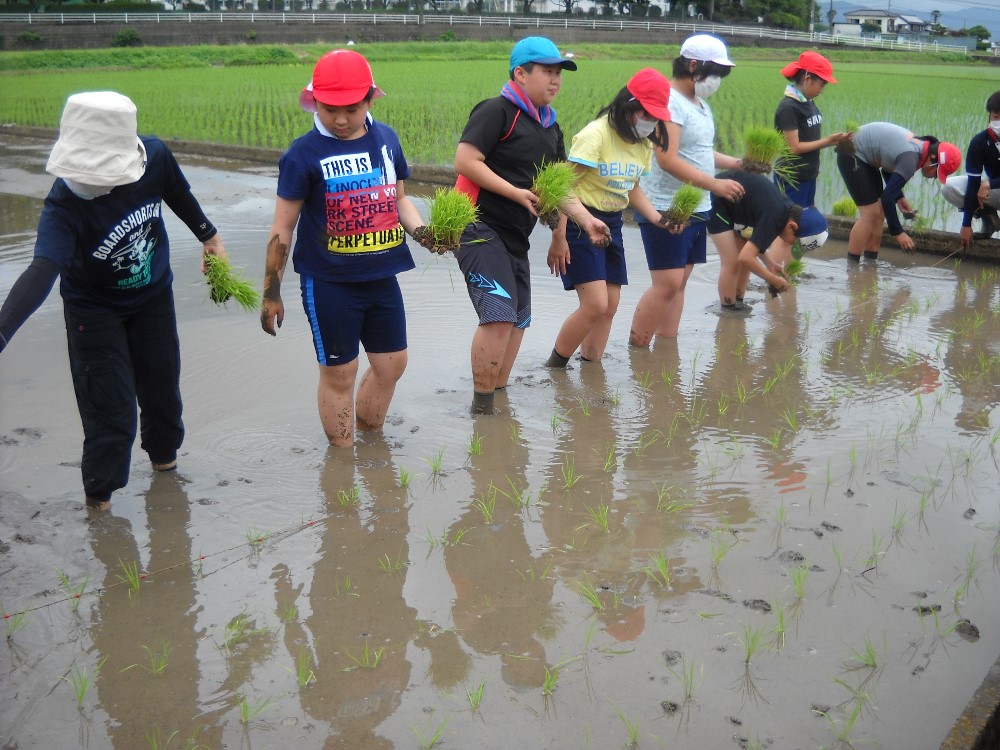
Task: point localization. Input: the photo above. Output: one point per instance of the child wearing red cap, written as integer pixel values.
(800, 121)
(507, 139)
(610, 155)
(886, 157)
(341, 186)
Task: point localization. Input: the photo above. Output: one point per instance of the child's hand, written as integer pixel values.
(598, 232)
(425, 238)
(558, 257)
(526, 198)
(272, 313)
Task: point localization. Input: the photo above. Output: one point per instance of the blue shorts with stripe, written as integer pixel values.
(343, 315)
(499, 283)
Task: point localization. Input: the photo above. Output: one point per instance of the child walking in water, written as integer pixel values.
(341, 185)
(610, 155)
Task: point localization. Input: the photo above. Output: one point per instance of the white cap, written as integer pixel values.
(706, 48)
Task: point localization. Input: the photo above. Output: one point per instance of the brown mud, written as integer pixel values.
(599, 555)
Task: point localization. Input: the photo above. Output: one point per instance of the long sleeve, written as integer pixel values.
(26, 296)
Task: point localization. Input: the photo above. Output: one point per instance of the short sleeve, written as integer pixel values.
(588, 145)
(487, 124)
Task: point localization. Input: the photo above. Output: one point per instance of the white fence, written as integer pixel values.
(539, 22)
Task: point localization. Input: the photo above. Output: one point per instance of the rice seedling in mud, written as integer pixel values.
(569, 475)
(349, 498)
(843, 729)
(610, 458)
(80, 679)
(598, 516)
(553, 184)
(436, 461)
(256, 537)
(475, 445)
(486, 503)
(688, 678)
(389, 565)
(475, 696)
(250, 711)
(227, 283)
(780, 626)
(799, 575)
(522, 499)
(752, 639)
(658, 570)
(428, 742)
(73, 591)
(558, 417)
(631, 728)
(845, 207)
(685, 203)
(645, 379)
(156, 741)
(719, 547)
(368, 659)
(304, 673)
(668, 502)
(449, 213)
(794, 269)
(405, 478)
(157, 658)
(14, 623)
(287, 614)
(765, 150)
(130, 576)
(590, 594)
(865, 657)
(238, 630)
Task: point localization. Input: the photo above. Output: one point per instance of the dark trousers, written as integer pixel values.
(117, 362)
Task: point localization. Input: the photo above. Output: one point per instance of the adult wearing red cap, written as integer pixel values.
(885, 157)
(800, 121)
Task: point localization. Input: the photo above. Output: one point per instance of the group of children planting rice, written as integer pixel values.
(341, 191)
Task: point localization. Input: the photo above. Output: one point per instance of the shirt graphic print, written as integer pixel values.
(361, 214)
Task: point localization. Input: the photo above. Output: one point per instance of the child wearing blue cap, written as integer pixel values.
(507, 140)
(777, 222)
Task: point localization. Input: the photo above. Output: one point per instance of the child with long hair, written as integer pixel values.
(610, 155)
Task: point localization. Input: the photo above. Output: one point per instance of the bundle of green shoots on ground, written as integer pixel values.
(554, 183)
(765, 150)
(450, 213)
(845, 207)
(682, 208)
(226, 282)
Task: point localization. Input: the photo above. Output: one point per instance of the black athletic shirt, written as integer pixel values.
(515, 147)
(763, 207)
(807, 120)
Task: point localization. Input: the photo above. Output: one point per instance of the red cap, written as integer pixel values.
(340, 78)
(949, 159)
(810, 62)
(652, 90)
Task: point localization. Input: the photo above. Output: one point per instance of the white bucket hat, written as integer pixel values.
(98, 141)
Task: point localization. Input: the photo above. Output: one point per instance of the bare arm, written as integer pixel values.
(671, 161)
(286, 216)
(798, 147)
(470, 162)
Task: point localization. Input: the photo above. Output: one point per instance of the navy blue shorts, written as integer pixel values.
(499, 283)
(803, 194)
(666, 251)
(343, 315)
(591, 263)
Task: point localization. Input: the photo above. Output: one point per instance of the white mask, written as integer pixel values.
(705, 88)
(643, 127)
(995, 126)
(87, 192)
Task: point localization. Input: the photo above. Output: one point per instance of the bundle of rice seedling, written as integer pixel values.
(765, 150)
(553, 184)
(794, 269)
(851, 126)
(683, 206)
(451, 212)
(226, 282)
(847, 147)
(845, 207)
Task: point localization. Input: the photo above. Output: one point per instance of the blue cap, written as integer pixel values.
(813, 229)
(538, 49)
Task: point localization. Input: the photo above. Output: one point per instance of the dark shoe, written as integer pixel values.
(871, 254)
(991, 224)
(556, 360)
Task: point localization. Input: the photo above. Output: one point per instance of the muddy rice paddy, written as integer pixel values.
(778, 531)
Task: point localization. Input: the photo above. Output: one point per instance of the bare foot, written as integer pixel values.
(101, 505)
(168, 466)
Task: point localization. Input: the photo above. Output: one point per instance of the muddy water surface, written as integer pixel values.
(819, 480)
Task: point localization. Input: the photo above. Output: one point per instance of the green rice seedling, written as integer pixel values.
(794, 269)
(369, 658)
(799, 575)
(522, 499)
(666, 376)
(304, 673)
(843, 729)
(584, 405)
(475, 445)
(685, 203)
(631, 727)
(687, 676)
(591, 595)
(349, 498)
(426, 743)
(226, 283)
(554, 183)
(569, 475)
(876, 551)
(129, 575)
(449, 213)
(81, 679)
(486, 503)
(719, 547)
(475, 696)
(389, 565)
(288, 614)
(866, 657)
(645, 440)
(73, 591)
(239, 629)
(851, 126)
(515, 433)
(765, 150)
(658, 571)
(645, 379)
(845, 207)
(558, 417)
(599, 515)
(614, 397)
(343, 587)
(157, 658)
(781, 516)
(752, 640)
(156, 741)
(405, 478)
(14, 623)
(611, 458)
(551, 680)
(779, 625)
(722, 405)
(250, 711)
(742, 394)
(436, 462)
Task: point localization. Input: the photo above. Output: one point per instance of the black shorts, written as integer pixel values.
(499, 283)
(864, 182)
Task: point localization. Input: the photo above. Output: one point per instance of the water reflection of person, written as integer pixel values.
(503, 594)
(373, 612)
(163, 611)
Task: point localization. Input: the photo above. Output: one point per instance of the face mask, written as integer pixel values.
(643, 127)
(995, 126)
(87, 192)
(704, 89)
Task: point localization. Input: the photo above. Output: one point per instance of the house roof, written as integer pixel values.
(870, 13)
(912, 19)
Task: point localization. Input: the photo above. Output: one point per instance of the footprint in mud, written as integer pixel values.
(22, 436)
(757, 604)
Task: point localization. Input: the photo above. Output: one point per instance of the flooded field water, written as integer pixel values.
(778, 531)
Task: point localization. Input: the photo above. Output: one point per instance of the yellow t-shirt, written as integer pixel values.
(615, 166)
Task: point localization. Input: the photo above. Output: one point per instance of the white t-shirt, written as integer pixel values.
(697, 147)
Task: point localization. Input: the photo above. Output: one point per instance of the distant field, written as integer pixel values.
(248, 95)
